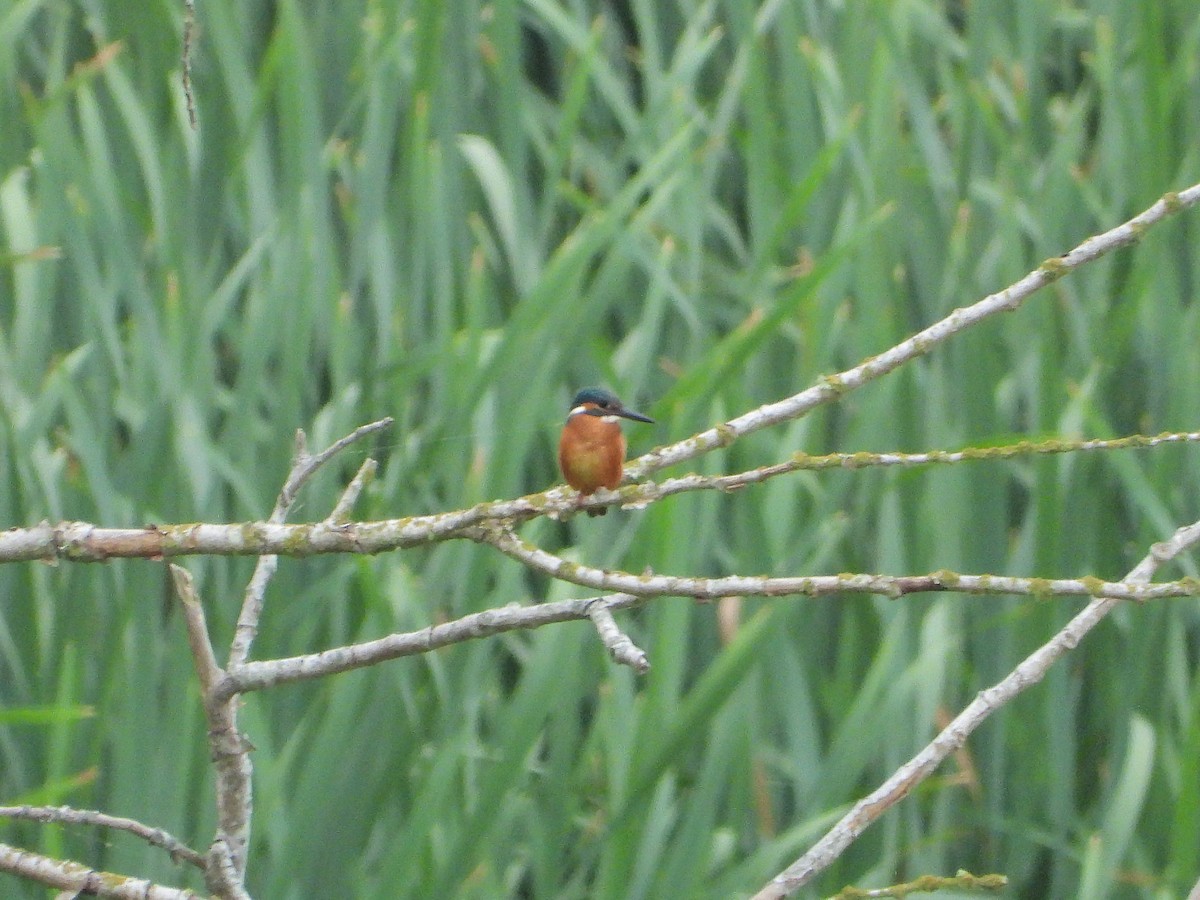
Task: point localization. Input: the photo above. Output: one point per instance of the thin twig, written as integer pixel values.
(636, 589)
(1028, 673)
(304, 466)
(67, 815)
(341, 510)
(207, 670)
(927, 884)
(71, 876)
(254, 676)
(646, 492)
(301, 473)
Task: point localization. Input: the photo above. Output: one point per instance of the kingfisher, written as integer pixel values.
(591, 452)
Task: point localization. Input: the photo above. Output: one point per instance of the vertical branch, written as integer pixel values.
(227, 857)
(304, 465)
(252, 600)
(226, 866)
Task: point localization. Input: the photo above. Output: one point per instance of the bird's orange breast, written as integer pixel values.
(591, 453)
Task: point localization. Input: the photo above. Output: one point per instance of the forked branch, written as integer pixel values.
(1028, 673)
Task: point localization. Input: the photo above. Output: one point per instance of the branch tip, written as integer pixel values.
(620, 646)
(157, 837)
(204, 659)
(341, 510)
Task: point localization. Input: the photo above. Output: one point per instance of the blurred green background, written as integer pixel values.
(457, 213)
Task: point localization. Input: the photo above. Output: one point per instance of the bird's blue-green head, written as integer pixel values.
(596, 401)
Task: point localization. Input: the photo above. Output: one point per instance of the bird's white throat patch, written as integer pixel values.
(580, 410)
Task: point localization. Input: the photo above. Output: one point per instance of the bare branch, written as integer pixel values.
(649, 585)
(304, 466)
(227, 857)
(1028, 673)
(834, 386)
(254, 676)
(341, 510)
(71, 876)
(648, 491)
(83, 542)
(86, 543)
(620, 647)
(66, 815)
(230, 752)
(207, 670)
(226, 865)
(223, 875)
(252, 606)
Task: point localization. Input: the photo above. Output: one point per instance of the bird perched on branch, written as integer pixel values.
(591, 452)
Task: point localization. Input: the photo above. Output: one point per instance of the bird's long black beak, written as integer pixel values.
(630, 414)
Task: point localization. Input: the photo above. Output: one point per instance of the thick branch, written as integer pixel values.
(84, 542)
(70, 876)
